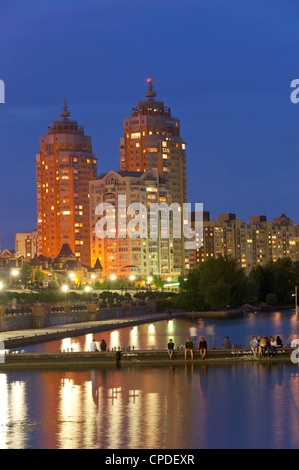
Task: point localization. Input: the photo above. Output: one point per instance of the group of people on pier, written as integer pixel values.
(189, 346)
(260, 346)
(94, 348)
(264, 346)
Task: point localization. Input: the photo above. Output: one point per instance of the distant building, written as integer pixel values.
(26, 244)
(67, 268)
(283, 220)
(251, 244)
(64, 168)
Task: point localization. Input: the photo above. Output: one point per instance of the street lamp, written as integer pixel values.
(87, 289)
(149, 280)
(296, 308)
(64, 289)
(1, 285)
(112, 278)
(14, 273)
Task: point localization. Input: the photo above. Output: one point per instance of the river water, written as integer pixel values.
(241, 406)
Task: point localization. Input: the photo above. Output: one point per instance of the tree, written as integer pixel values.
(39, 276)
(218, 295)
(158, 282)
(26, 273)
(54, 282)
(271, 299)
(252, 291)
(213, 284)
(278, 277)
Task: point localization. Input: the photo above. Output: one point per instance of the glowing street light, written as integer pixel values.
(1, 285)
(113, 277)
(64, 289)
(14, 273)
(296, 307)
(87, 288)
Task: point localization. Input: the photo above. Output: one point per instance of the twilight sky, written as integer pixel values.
(224, 68)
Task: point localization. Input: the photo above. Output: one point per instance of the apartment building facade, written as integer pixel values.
(152, 141)
(64, 167)
(252, 244)
(120, 254)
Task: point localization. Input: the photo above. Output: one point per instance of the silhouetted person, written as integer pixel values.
(170, 347)
(226, 343)
(189, 347)
(203, 347)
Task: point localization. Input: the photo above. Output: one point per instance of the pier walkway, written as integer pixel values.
(21, 338)
(136, 358)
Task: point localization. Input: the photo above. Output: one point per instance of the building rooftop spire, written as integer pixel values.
(65, 112)
(150, 93)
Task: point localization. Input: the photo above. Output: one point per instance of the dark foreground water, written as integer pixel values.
(245, 406)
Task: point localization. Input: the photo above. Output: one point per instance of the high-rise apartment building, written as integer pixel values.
(152, 141)
(251, 244)
(64, 167)
(120, 254)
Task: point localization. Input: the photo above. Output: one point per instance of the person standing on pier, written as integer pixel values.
(254, 346)
(210, 331)
(193, 335)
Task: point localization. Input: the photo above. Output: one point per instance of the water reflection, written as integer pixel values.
(189, 406)
(178, 406)
(156, 335)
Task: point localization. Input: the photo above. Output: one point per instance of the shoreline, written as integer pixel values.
(22, 338)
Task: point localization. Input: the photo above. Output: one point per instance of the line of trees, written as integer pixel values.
(218, 283)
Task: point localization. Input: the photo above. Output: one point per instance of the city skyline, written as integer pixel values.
(232, 97)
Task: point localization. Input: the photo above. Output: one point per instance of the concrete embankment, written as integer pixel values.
(216, 314)
(22, 338)
(135, 358)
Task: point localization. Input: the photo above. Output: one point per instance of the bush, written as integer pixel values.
(164, 304)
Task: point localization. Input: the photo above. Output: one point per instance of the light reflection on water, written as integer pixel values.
(188, 406)
(156, 335)
(172, 407)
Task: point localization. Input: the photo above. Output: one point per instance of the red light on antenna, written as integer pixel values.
(149, 80)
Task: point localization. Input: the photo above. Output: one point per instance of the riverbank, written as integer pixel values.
(26, 337)
(216, 314)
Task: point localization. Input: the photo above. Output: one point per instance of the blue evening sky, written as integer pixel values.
(223, 66)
